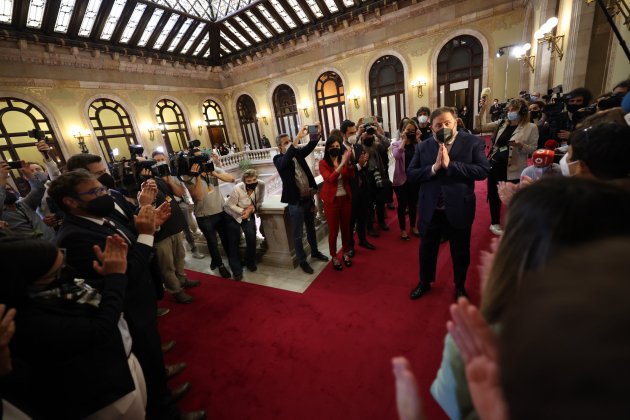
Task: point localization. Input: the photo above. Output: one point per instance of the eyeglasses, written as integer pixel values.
(98, 191)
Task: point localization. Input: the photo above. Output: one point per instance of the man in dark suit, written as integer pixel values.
(446, 166)
(359, 184)
(87, 205)
(298, 188)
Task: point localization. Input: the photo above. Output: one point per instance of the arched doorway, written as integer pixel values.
(285, 110)
(387, 91)
(459, 72)
(331, 102)
(215, 123)
(246, 109)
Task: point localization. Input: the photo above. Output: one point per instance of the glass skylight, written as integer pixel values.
(207, 54)
(331, 6)
(258, 24)
(6, 11)
(348, 3)
(180, 34)
(148, 31)
(133, 22)
(206, 9)
(237, 34)
(112, 20)
(283, 13)
(298, 10)
(63, 17)
(247, 28)
(202, 44)
(271, 20)
(167, 29)
(90, 17)
(229, 41)
(194, 36)
(315, 8)
(223, 47)
(35, 13)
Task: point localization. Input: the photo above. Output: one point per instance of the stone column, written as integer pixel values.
(577, 45)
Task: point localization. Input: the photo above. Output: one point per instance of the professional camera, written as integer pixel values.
(160, 169)
(369, 128)
(135, 150)
(36, 134)
(183, 162)
(194, 144)
(612, 101)
(585, 112)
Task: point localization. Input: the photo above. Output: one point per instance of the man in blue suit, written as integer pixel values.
(446, 166)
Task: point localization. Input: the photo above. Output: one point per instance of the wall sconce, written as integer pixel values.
(264, 118)
(521, 53)
(419, 84)
(200, 127)
(151, 131)
(304, 107)
(545, 34)
(354, 98)
(80, 135)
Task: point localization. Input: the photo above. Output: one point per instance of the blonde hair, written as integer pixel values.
(249, 173)
(519, 104)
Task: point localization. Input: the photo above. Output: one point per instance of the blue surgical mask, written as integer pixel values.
(512, 116)
(533, 98)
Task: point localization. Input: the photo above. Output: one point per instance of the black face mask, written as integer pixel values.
(100, 206)
(252, 186)
(411, 137)
(368, 141)
(107, 180)
(534, 114)
(574, 108)
(443, 135)
(10, 198)
(334, 152)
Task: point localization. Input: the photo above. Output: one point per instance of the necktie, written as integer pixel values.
(112, 226)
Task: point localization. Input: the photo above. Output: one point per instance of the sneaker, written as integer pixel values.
(225, 273)
(319, 256)
(496, 229)
(306, 268)
(182, 297)
(191, 283)
(196, 254)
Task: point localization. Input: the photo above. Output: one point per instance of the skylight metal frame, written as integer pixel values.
(112, 19)
(35, 15)
(134, 21)
(91, 13)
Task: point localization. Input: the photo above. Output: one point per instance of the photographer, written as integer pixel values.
(514, 138)
(20, 213)
(203, 184)
(183, 199)
(375, 144)
(576, 99)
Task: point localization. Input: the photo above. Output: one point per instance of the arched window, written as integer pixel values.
(18, 119)
(217, 132)
(171, 121)
(113, 129)
(459, 70)
(331, 102)
(246, 109)
(285, 109)
(387, 91)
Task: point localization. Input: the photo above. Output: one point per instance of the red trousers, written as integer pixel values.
(338, 216)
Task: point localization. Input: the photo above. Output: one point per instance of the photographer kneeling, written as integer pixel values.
(514, 138)
(204, 189)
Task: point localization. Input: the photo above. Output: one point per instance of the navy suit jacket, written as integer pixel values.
(468, 164)
(286, 168)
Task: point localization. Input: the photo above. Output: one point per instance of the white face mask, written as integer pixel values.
(627, 118)
(533, 98)
(423, 119)
(565, 165)
(512, 116)
(352, 140)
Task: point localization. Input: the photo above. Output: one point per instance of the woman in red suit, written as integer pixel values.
(336, 194)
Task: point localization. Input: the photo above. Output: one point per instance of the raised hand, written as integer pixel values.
(345, 157)
(145, 220)
(407, 394)
(194, 169)
(148, 193)
(507, 191)
(7, 329)
(162, 213)
(43, 147)
(26, 171)
(487, 260)
(438, 160)
(445, 157)
(5, 169)
(113, 260)
(363, 158)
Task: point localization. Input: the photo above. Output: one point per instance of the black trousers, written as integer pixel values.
(459, 240)
(496, 174)
(407, 197)
(358, 218)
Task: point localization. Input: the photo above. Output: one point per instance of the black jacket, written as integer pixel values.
(176, 223)
(286, 168)
(468, 164)
(69, 358)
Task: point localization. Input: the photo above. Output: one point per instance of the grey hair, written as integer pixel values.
(249, 173)
(280, 137)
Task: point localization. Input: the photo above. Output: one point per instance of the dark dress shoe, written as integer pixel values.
(194, 415)
(336, 264)
(367, 245)
(347, 261)
(162, 311)
(351, 253)
(179, 392)
(174, 370)
(168, 346)
(252, 267)
(182, 297)
(319, 256)
(306, 268)
(371, 232)
(420, 290)
(225, 273)
(460, 292)
(238, 277)
(191, 283)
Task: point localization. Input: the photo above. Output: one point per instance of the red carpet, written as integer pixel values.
(260, 353)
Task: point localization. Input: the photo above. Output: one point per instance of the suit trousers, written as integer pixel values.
(210, 226)
(358, 216)
(131, 406)
(303, 214)
(459, 240)
(338, 216)
(170, 255)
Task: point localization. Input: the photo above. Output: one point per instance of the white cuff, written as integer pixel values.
(145, 239)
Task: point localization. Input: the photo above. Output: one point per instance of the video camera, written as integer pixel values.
(36, 134)
(556, 116)
(183, 162)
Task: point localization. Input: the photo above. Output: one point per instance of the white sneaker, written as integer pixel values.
(496, 229)
(197, 254)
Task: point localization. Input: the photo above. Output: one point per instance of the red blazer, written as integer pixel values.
(329, 189)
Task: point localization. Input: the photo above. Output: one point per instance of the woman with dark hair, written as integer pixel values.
(72, 349)
(337, 170)
(514, 139)
(548, 216)
(406, 191)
